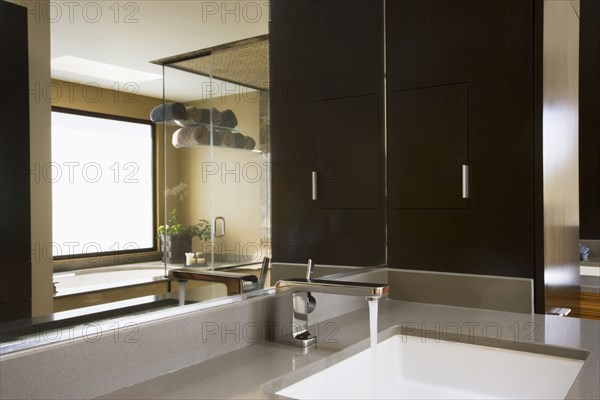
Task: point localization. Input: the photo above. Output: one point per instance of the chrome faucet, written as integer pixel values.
(303, 303)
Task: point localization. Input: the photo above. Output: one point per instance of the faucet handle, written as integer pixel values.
(310, 269)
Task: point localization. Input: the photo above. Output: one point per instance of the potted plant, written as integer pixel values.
(178, 237)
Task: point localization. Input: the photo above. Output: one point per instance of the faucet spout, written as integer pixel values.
(368, 290)
(303, 303)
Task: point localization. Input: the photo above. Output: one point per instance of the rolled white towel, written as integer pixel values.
(199, 135)
(190, 136)
(178, 138)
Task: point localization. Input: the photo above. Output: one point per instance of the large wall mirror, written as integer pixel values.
(197, 128)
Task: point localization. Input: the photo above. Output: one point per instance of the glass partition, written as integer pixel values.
(217, 192)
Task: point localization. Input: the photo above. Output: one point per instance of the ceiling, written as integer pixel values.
(90, 38)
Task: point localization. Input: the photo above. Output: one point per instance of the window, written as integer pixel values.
(102, 175)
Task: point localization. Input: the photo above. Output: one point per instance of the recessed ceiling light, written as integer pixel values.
(99, 70)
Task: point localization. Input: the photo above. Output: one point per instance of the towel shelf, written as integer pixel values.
(194, 146)
(184, 123)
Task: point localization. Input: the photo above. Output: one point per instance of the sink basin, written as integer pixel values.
(410, 367)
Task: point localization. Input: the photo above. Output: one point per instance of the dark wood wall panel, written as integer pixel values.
(326, 51)
(15, 310)
(15, 282)
(493, 51)
(589, 120)
(488, 46)
(15, 220)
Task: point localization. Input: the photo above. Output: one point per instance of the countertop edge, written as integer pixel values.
(253, 363)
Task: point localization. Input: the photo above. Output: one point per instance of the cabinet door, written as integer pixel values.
(428, 136)
(326, 104)
(348, 48)
(348, 150)
(486, 49)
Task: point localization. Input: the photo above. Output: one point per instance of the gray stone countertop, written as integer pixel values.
(260, 370)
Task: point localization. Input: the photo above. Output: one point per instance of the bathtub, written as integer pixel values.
(91, 280)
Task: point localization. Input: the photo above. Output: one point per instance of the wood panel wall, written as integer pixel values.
(589, 120)
(15, 216)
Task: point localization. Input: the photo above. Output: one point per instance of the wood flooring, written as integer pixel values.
(586, 305)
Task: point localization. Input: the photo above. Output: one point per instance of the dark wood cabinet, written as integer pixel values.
(428, 136)
(327, 117)
(460, 91)
(463, 180)
(15, 220)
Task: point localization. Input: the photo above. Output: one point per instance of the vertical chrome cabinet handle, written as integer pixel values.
(222, 227)
(465, 181)
(314, 185)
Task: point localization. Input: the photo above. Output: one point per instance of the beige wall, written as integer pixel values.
(91, 98)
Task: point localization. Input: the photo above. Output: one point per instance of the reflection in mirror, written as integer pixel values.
(217, 195)
(213, 198)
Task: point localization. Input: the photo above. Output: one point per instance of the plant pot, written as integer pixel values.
(177, 246)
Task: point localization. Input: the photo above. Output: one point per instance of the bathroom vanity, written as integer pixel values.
(264, 369)
(196, 353)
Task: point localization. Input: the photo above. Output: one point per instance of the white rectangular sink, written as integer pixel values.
(409, 367)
